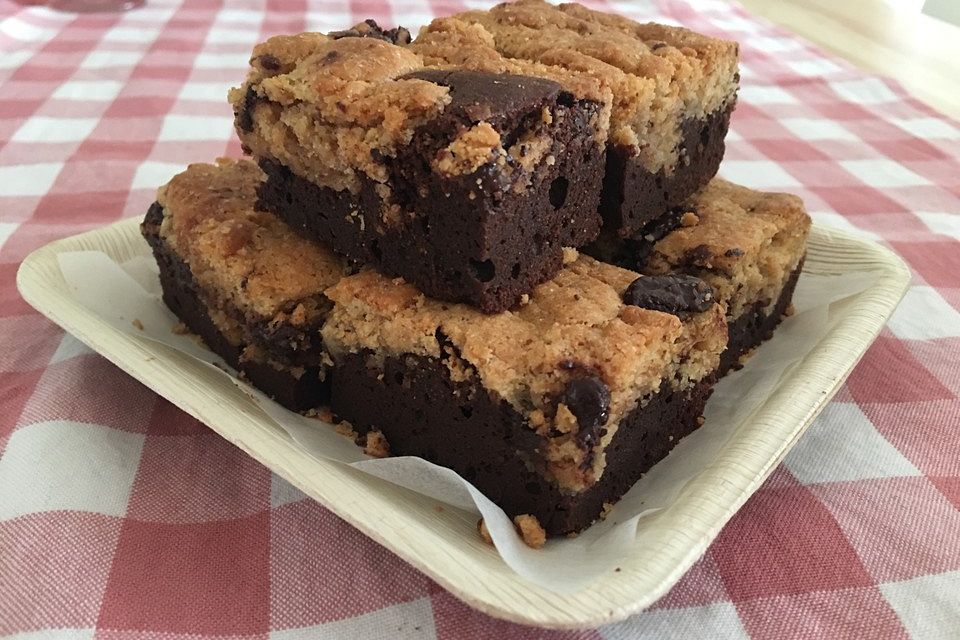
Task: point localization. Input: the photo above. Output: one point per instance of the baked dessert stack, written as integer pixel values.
(243, 281)
(402, 245)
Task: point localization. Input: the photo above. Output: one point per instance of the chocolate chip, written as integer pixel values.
(331, 57)
(345, 33)
(679, 295)
(657, 45)
(398, 36)
(501, 100)
(640, 249)
(269, 62)
(699, 255)
(733, 253)
(478, 112)
(245, 113)
(588, 399)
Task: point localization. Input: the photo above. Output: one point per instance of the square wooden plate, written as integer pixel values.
(444, 544)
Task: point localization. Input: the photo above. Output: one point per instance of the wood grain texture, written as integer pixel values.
(444, 544)
(920, 52)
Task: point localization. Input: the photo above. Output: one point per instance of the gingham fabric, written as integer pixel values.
(121, 517)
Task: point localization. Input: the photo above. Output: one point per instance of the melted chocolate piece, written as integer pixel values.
(245, 114)
(370, 29)
(676, 294)
(589, 401)
(269, 62)
(503, 100)
(698, 256)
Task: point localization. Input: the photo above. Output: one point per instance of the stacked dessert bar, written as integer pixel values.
(499, 246)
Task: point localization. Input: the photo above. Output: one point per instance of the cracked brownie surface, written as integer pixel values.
(334, 108)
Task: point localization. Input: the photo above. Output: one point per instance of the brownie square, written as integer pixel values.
(466, 183)
(748, 245)
(671, 91)
(552, 410)
(242, 281)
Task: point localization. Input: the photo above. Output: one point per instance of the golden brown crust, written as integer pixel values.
(329, 108)
(455, 43)
(332, 110)
(573, 323)
(744, 243)
(239, 256)
(654, 75)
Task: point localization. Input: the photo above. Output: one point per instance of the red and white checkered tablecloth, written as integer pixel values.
(121, 517)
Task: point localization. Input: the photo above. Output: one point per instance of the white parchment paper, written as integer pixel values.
(120, 294)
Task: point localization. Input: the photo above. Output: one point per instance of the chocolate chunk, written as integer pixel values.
(399, 36)
(589, 401)
(346, 33)
(245, 114)
(498, 98)
(733, 253)
(370, 29)
(269, 62)
(677, 294)
(698, 256)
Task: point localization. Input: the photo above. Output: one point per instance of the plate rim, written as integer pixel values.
(508, 596)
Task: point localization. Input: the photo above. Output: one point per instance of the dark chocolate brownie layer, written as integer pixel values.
(754, 327)
(421, 412)
(474, 238)
(632, 196)
(181, 295)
